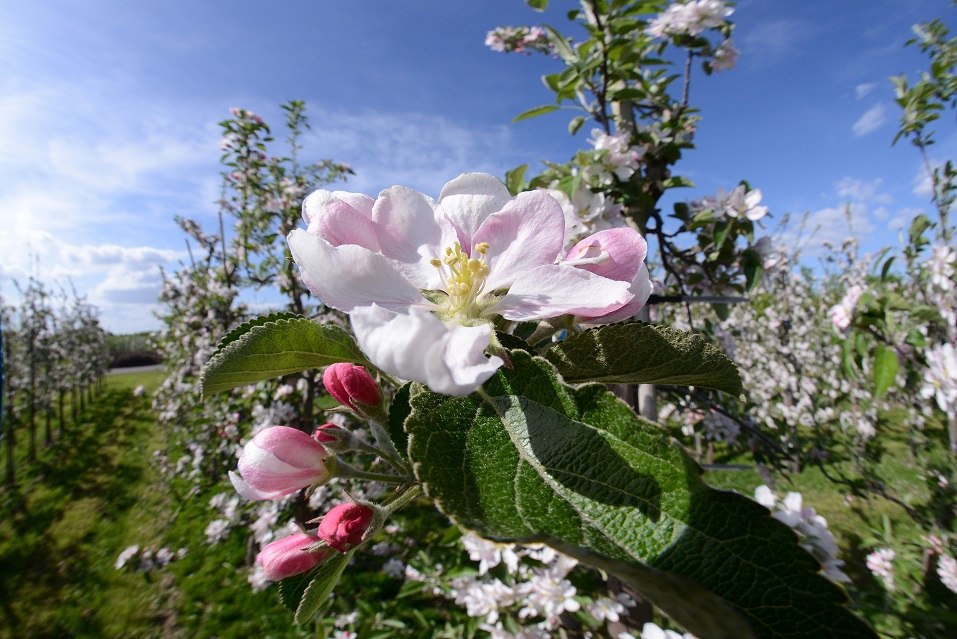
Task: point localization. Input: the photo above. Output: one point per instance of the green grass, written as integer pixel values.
(89, 496)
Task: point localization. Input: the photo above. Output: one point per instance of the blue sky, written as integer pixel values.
(108, 115)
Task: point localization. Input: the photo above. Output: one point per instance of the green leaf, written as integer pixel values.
(318, 591)
(537, 5)
(638, 353)
(515, 179)
(245, 327)
(538, 461)
(575, 124)
(753, 267)
(531, 113)
(886, 268)
(398, 411)
(292, 588)
(274, 347)
(885, 369)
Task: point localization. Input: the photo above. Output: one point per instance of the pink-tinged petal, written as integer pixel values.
(290, 556)
(316, 201)
(337, 222)
(348, 276)
(467, 200)
(528, 232)
(409, 234)
(553, 290)
(617, 254)
(291, 446)
(269, 475)
(248, 492)
(641, 289)
(417, 345)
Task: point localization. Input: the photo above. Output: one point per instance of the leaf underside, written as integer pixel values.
(638, 353)
(539, 461)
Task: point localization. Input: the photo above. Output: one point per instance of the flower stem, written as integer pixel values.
(403, 499)
(349, 471)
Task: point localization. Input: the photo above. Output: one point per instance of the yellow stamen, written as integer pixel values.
(464, 279)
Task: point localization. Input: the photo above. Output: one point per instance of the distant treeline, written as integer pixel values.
(134, 349)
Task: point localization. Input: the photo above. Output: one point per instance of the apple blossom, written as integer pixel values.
(278, 461)
(947, 571)
(423, 280)
(346, 526)
(842, 313)
(725, 56)
(689, 18)
(881, 564)
(290, 556)
(940, 378)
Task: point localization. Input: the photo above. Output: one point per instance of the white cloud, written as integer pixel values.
(921, 184)
(857, 190)
(773, 39)
(870, 121)
(417, 150)
(864, 89)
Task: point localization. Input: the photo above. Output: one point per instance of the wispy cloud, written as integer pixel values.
(870, 121)
(773, 39)
(417, 150)
(863, 191)
(864, 89)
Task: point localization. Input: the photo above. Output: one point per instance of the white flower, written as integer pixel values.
(489, 554)
(216, 531)
(423, 280)
(618, 157)
(689, 18)
(940, 378)
(941, 267)
(947, 571)
(881, 564)
(725, 56)
(605, 609)
(653, 631)
(842, 313)
(127, 553)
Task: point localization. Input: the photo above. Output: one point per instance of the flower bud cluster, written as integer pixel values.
(341, 529)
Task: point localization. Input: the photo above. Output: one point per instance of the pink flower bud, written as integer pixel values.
(278, 461)
(289, 556)
(344, 527)
(327, 434)
(351, 385)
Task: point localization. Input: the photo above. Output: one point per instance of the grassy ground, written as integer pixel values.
(84, 500)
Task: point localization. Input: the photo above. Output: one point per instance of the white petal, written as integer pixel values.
(528, 232)
(409, 234)
(468, 199)
(248, 492)
(417, 345)
(553, 290)
(347, 276)
(640, 288)
(338, 222)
